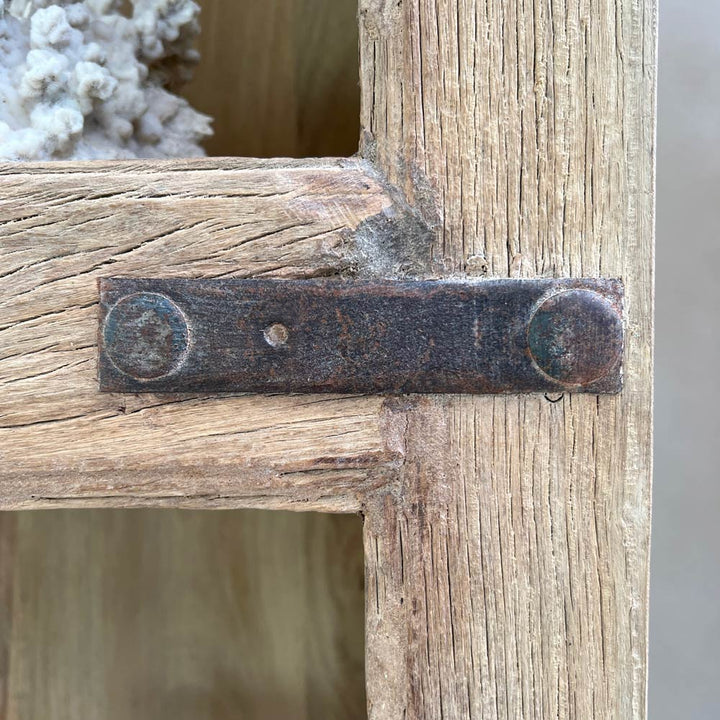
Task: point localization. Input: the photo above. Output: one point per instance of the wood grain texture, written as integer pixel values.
(507, 573)
(63, 226)
(279, 77)
(167, 614)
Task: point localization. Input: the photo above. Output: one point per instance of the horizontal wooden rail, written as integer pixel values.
(64, 225)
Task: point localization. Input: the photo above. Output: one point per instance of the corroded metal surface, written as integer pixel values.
(146, 335)
(495, 336)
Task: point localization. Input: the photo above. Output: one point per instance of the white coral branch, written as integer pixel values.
(79, 79)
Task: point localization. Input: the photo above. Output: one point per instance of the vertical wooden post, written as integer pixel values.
(507, 575)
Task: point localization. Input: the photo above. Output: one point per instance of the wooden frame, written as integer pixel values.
(506, 538)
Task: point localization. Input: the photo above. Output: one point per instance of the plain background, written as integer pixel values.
(685, 575)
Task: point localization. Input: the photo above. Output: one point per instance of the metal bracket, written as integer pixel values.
(494, 336)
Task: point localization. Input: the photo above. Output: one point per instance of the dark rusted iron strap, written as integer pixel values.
(494, 336)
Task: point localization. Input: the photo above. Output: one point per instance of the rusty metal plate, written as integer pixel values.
(494, 336)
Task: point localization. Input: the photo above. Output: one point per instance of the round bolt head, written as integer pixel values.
(575, 337)
(146, 336)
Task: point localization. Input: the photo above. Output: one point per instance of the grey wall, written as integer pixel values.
(685, 579)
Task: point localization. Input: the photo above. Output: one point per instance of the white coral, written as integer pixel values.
(81, 80)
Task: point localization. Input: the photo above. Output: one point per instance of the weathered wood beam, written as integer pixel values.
(507, 576)
(64, 225)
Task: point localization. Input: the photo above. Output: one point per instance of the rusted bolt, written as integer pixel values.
(575, 337)
(146, 336)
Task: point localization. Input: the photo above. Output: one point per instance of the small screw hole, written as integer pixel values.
(276, 335)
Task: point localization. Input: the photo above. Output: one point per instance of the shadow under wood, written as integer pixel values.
(155, 614)
(280, 77)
